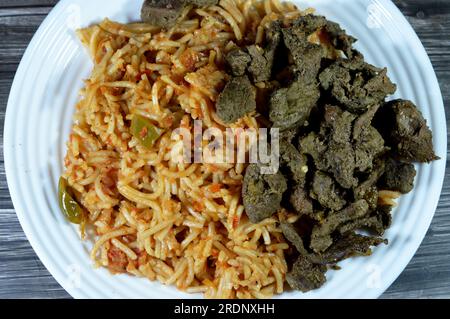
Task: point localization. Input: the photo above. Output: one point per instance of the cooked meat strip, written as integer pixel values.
(294, 164)
(314, 146)
(289, 136)
(340, 159)
(384, 213)
(356, 85)
(341, 40)
(321, 235)
(273, 49)
(256, 60)
(202, 3)
(300, 201)
(406, 131)
(162, 13)
(340, 155)
(364, 121)
(326, 192)
(165, 13)
(291, 234)
(373, 223)
(291, 107)
(338, 124)
(340, 142)
(367, 189)
(238, 61)
(350, 246)
(259, 67)
(307, 56)
(369, 144)
(305, 275)
(337, 37)
(398, 177)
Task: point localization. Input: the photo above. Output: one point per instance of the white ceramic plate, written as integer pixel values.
(38, 121)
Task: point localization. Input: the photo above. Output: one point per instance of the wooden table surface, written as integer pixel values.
(22, 274)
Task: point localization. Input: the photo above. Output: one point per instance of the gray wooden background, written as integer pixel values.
(22, 275)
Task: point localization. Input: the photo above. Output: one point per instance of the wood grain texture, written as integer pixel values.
(22, 275)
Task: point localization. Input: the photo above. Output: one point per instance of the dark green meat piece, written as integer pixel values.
(350, 246)
(305, 275)
(288, 136)
(326, 192)
(338, 124)
(291, 234)
(406, 132)
(262, 193)
(335, 149)
(331, 149)
(314, 146)
(258, 61)
(273, 49)
(356, 85)
(294, 164)
(384, 213)
(291, 107)
(378, 221)
(308, 24)
(341, 40)
(364, 121)
(321, 235)
(301, 202)
(398, 177)
(369, 146)
(237, 99)
(340, 158)
(368, 189)
(263, 60)
(374, 223)
(369, 143)
(202, 3)
(369, 194)
(238, 61)
(259, 67)
(165, 13)
(307, 56)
